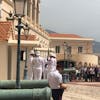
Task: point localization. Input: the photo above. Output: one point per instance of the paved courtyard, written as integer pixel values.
(82, 91)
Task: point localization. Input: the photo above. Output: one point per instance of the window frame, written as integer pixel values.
(69, 49)
(57, 49)
(80, 49)
(22, 55)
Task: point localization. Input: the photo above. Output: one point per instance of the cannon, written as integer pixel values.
(26, 94)
(69, 70)
(25, 84)
(68, 74)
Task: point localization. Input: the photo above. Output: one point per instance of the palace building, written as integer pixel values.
(66, 46)
(38, 38)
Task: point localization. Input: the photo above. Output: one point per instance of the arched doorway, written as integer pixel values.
(68, 64)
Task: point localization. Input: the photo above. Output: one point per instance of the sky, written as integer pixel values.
(81, 17)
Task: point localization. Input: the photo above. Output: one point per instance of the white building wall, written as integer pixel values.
(5, 10)
(88, 58)
(14, 64)
(3, 61)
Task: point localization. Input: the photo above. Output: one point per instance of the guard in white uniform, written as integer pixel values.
(38, 65)
(30, 72)
(52, 62)
(45, 69)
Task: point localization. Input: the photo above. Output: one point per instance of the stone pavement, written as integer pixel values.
(82, 91)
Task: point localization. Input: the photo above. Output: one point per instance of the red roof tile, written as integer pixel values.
(64, 35)
(5, 30)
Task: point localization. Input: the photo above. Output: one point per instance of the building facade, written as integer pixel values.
(38, 37)
(74, 48)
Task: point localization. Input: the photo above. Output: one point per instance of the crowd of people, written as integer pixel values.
(88, 73)
(47, 68)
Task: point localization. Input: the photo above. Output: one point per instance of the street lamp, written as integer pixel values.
(48, 52)
(19, 7)
(26, 33)
(66, 48)
(64, 54)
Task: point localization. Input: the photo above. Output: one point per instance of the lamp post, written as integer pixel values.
(48, 52)
(26, 33)
(66, 49)
(19, 7)
(64, 54)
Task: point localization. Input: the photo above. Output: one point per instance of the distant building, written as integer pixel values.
(73, 47)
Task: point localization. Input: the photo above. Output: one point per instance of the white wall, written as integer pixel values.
(89, 58)
(3, 61)
(14, 64)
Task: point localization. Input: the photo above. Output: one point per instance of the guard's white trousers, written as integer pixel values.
(30, 73)
(37, 73)
(45, 72)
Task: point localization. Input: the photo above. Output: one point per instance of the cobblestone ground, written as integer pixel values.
(82, 91)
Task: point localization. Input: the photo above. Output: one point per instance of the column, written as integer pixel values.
(31, 3)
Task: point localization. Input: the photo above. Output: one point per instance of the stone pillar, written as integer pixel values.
(38, 11)
(31, 3)
(33, 11)
(36, 17)
(35, 7)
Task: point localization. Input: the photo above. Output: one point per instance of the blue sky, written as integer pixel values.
(81, 17)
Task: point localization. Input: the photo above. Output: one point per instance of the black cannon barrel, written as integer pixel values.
(25, 84)
(26, 94)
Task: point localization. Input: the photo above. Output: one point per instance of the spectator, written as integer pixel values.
(56, 83)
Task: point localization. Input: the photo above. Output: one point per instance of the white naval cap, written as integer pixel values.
(32, 52)
(53, 54)
(37, 53)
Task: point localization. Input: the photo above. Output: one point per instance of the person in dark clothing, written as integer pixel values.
(96, 73)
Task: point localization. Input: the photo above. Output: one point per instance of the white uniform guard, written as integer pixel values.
(38, 64)
(52, 62)
(30, 73)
